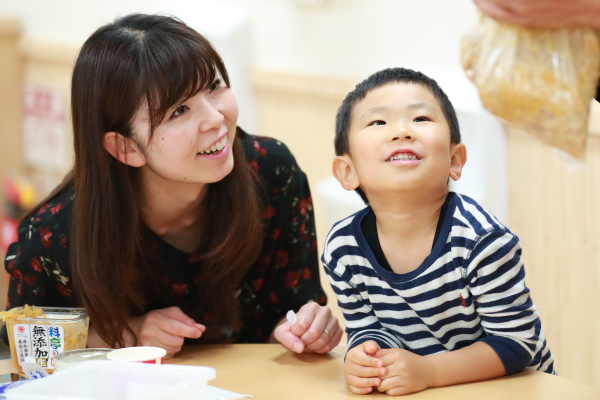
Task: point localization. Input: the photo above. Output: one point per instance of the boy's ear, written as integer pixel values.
(458, 158)
(344, 173)
(123, 149)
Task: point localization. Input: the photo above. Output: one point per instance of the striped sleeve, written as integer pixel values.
(361, 323)
(496, 277)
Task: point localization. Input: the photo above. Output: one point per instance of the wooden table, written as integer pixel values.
(269, 371)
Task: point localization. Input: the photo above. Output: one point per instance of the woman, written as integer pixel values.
(174, 224)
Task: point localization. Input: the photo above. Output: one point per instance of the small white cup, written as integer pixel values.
(142, 354)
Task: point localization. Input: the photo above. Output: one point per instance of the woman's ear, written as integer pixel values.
(343, 172)
(123, 149)
(458, 158)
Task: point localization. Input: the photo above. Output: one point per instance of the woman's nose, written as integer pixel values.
(211, 117)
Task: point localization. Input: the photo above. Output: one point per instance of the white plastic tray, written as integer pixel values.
(112, 380)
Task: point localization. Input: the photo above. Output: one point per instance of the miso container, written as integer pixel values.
(44, 332)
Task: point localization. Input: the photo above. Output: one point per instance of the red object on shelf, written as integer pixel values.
(11, 191)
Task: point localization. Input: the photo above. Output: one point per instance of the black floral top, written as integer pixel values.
(284, 277)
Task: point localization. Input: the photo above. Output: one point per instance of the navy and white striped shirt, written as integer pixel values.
(470, 288)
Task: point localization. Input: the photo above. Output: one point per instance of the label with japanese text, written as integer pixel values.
(42, 342)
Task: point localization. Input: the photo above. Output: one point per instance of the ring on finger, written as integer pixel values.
(327, 333)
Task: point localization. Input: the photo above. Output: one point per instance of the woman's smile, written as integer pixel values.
(217, 151)
(215, 147)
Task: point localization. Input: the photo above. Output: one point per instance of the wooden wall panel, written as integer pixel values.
(50, 65)
(556, 214)
(11, 78)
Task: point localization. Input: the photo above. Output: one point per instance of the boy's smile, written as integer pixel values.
(399, 141)
(404, 156)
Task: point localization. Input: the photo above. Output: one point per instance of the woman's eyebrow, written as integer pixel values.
(426, 106)
(374, 110)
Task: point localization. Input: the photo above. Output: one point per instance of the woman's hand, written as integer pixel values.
(315, 330)
(166, 328)
(543, 13)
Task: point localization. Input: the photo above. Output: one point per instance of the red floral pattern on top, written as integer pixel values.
(284, 277)
(45, 235)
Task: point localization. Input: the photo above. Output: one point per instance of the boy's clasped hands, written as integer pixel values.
(393, 371)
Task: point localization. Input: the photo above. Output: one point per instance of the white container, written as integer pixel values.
(70, 358)
(112, 380)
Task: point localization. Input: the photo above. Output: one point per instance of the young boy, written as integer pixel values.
(431, 285)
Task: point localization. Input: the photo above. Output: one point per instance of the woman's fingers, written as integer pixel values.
(166, 328)
(284, 336)
(494, 10)
(180, 329)
(304, 318)
(316, 330)
(172, 344)
(154, 336)
(329, 339)
(335, 340)
(178, 315)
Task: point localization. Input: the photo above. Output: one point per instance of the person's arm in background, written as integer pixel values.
(543, 13)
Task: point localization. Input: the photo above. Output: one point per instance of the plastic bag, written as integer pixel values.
(540, 80)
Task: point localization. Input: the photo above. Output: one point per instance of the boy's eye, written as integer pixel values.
(179, 111)
(378, 122)
(421, 119)
(215, 85)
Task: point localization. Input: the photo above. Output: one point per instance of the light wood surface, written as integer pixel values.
(272, 372)
(269, 371)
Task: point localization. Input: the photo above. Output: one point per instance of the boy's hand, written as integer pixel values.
(363, 370)
(406, 372)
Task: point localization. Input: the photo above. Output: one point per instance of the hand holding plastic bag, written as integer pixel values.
(540, 80)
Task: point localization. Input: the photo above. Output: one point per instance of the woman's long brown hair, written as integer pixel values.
(155, 60)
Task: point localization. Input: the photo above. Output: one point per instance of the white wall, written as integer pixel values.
(341, 37)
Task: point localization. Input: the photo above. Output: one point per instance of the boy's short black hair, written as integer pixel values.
(344, 114)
